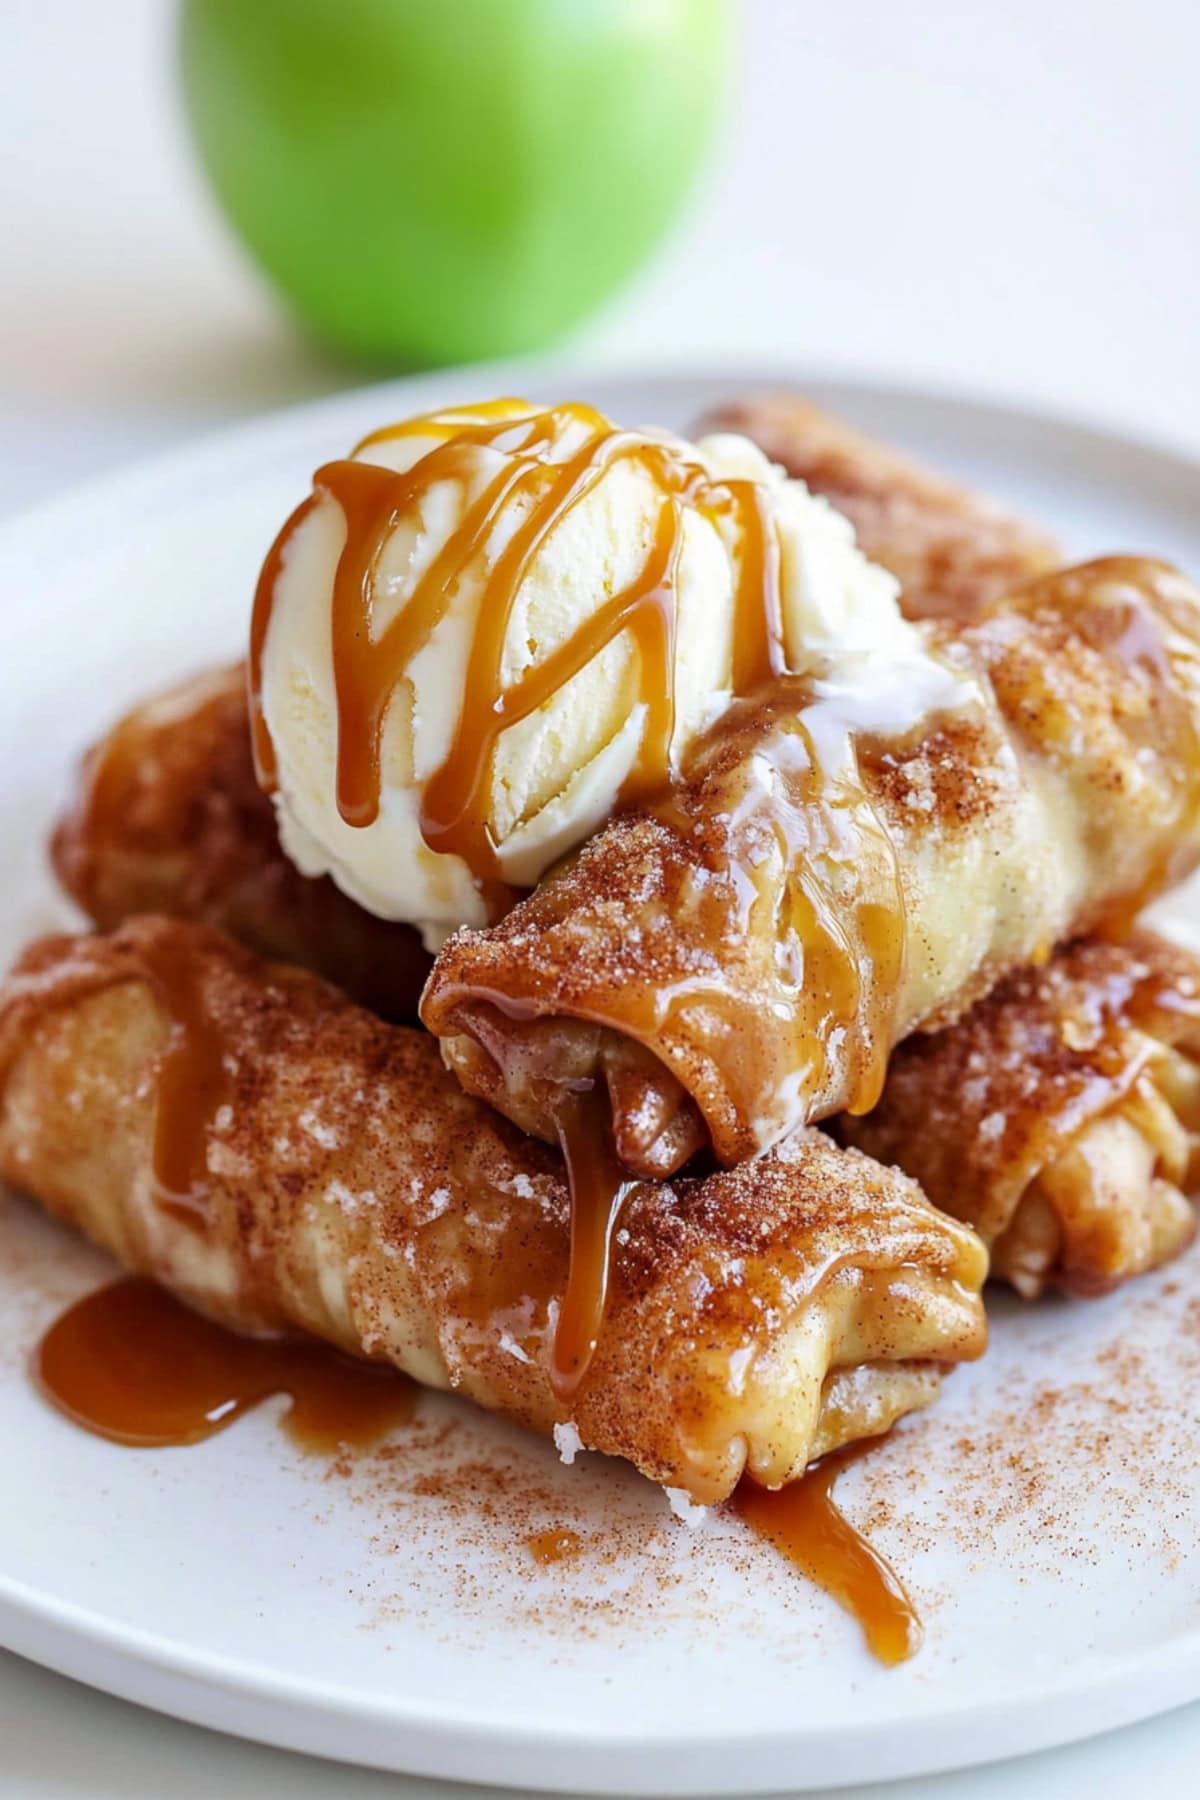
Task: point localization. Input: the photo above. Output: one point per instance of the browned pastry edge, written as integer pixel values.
(987, 1114)
(169, 818)
(953, 551)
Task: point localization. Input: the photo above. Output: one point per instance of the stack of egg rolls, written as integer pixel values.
(751, 955)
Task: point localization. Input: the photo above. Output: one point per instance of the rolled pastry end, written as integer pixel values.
(523, 1066)
(1061, 1117)
(814, 1298)
(1113, 1203)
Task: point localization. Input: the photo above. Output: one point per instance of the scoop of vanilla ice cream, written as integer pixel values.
(557, 774)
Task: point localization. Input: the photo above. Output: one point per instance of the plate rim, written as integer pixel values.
(242, 437)
(445, 1745)
(437, 1740)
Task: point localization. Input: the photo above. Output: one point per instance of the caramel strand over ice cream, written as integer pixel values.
(490, 627)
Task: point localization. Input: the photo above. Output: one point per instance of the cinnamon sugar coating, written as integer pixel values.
(169, 818)
(952, 551)
(769, 934)
(757, 1318)
(1061, 1116)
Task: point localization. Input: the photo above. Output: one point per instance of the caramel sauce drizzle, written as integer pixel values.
(132, 1364)
(369, 665)
(599, 1187)
(193, 1083)
(850, 951)
(803, 1522)
(851, 955)
(193, 1079)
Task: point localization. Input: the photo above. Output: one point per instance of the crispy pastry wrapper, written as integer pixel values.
(741, 961)
(952, 551)
(1061, 1117)
(757, 1318)
(169, 818)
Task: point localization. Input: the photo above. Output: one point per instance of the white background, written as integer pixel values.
(999, 196)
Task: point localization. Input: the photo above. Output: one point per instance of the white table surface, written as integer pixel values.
(1000, 197)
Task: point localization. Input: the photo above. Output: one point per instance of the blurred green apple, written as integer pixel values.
(439, 180)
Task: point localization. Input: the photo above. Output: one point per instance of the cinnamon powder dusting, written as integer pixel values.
(1061, 1463)
(1067, 1452)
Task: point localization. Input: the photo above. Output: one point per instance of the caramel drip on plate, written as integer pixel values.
(599, 1187)
(802, 1521)
(519, 506)
(131, 1363)
(553, 1546)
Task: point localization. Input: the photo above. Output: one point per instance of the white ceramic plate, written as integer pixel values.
(388, 1611)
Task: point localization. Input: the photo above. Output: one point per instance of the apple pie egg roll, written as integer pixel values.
(284, 1160)
(850, 856)
(170, 818)
(1061, 1116)
(953, 551)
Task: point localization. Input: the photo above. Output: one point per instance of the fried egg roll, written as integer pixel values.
(953, 551)
(830, 876)
(1061, 1117)
(284, 1160)
(169, 818)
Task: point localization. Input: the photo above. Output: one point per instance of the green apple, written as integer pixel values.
(440, 180)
